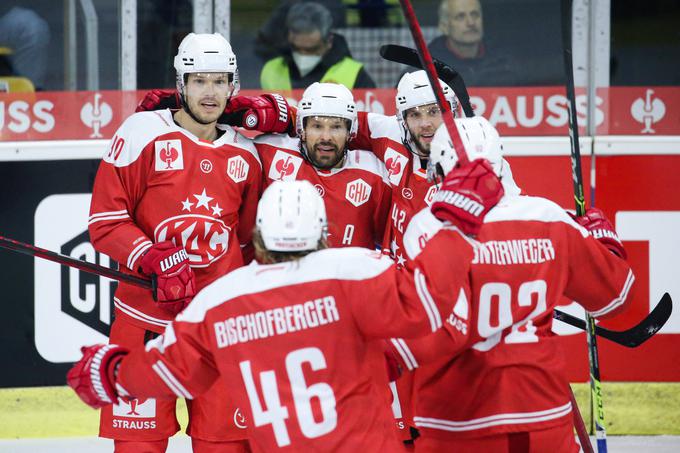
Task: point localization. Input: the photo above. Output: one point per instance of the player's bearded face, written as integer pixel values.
(206, 95)
(422, 122)
(325, 138)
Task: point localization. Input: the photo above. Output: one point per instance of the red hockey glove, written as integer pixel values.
(601, 229)
(173, 279)
(265, 113)
(159, 100)
(467, 194)
(93, 377)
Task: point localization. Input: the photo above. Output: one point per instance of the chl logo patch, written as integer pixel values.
(169, 155)
(284, 166)
(429, 196)
(237, 168)
(395, 163)
(358, 192)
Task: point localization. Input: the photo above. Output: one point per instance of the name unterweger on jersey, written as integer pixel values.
(277, 321)
(515, 251)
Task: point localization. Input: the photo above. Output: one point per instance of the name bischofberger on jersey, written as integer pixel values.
(276, 321)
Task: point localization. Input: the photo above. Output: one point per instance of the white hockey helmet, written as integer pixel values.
(205, 52)
(414, 90)
(291, 217)
(327, 99)
(481, 141)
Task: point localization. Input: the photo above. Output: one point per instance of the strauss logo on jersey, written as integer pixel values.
(169, 155)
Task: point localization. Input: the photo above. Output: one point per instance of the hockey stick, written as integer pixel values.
(636, 335)
(92, 268)
(631, 338)
(426, 62)
(577, 177)
(406, 55)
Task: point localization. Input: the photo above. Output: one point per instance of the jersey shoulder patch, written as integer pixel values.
(135, 134)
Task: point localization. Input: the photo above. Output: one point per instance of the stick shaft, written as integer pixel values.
(92, 268)
(426, 60)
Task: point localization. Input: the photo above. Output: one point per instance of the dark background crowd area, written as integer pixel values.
(645, 48)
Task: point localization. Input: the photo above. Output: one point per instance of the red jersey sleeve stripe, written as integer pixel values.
(405, 353)
(109, 217)
(131, 312)
(494, 420)
(614, 304)
(427, 301)
(170, 380)
(136, 253)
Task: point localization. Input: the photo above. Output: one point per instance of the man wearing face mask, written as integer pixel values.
(316, 54)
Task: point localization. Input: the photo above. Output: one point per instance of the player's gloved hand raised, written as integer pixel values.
(265, 113)
(601, 229)
(467, 193)
(93, 377)
(159, 100)
(174, 284)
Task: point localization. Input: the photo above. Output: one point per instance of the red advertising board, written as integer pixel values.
(638, 192)
(514, 111)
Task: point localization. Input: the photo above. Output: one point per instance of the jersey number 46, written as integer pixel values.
(276, 414)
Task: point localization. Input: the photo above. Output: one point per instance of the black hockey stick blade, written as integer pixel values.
(406, 55)
(32, 250)
(634, 336)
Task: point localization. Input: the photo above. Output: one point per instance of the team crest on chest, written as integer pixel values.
(358, 192)
(237, 168)
(395, 163)
(169, 155)
(284, 166)
(429, 196)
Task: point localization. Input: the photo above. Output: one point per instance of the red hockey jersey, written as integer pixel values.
(507, 374)
(159, 182)
(411, 190)
(357, 195)
(294, 341)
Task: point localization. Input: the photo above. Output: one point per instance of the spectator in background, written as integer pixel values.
(26, 37)
(272, 38)
(463, 47)
(315, 55)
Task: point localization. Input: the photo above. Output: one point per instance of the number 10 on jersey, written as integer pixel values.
(275, 413)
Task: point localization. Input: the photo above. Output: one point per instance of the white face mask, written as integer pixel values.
(305, 63)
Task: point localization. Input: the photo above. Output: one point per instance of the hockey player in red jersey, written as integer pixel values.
(503, 388)
(175, 199)
(292, 335)
(353, 183)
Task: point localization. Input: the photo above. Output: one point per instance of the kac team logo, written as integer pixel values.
(648, 111)
(201, 232)
(96, 115)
